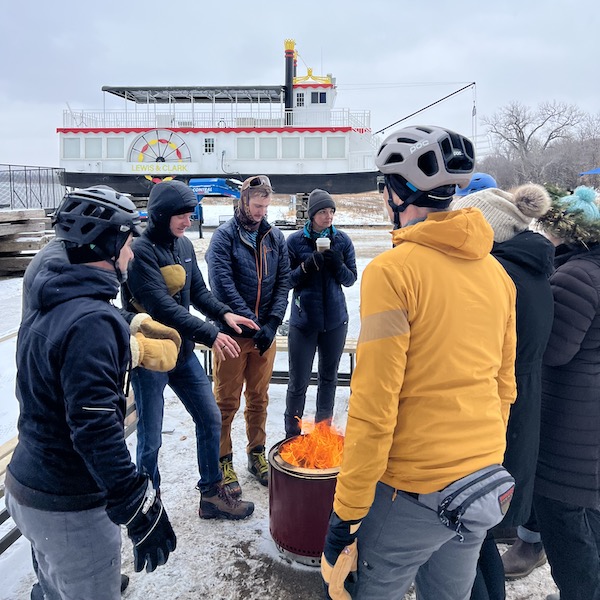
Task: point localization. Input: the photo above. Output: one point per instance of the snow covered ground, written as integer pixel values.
(217, 560)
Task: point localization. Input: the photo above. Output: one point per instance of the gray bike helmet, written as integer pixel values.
(98, 219)
(423, 166)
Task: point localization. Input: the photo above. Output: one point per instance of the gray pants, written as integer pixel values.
(78, 553)
(401, 541)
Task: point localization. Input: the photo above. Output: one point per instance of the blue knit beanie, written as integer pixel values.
(583, 199)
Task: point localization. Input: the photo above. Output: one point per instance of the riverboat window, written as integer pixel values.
(313, 147)
(299, 98)
(336, 147)
(71, 148)
(209, 145)
(267, 148)
(290, 147)
(115, 147)
(318, 97)
(93, 147)
(245, 148)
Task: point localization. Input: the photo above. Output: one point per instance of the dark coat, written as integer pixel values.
(255, 282)
(528, 259)
(72, 357)
(156, 248)
(569, 460)
(318, 301)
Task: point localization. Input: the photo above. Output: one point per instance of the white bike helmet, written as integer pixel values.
(427, 157)
(424, 165)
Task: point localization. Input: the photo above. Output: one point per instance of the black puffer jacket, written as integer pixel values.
(528, 259)
(146, 286)
(318, 301)
(569, 460)
(72, 356)
(255, 282)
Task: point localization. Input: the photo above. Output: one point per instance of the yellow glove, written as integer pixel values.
(335, 576)
(153, 354)
(174, 276)
(146, 325)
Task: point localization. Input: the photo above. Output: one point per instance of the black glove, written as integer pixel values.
(333, 260)
(151, 532)
(313, 263)
(264, 337)
(339, 555)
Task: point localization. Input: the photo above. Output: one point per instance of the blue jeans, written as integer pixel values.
(302, 345)
(401, 540)
(191, 385)
(78, 553)
(571, 537)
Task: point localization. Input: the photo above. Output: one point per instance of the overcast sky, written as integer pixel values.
(391, 57)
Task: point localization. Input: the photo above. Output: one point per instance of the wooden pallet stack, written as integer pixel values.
(22, 234)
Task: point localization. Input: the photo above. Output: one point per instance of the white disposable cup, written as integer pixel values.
(323, 243)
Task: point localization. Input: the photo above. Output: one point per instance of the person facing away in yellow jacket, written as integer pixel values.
(421, 479)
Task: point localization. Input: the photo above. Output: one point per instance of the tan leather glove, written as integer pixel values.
(146, 325)
(335, 576)
(153, 354)
(174, 276)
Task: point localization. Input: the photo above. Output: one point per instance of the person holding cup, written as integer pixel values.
(322, 260)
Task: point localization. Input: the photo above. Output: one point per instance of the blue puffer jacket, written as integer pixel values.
(146, 286)
(255, 282)
(72, 357)
(318, 301)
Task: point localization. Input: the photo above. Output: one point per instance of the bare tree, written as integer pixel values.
(525, 136)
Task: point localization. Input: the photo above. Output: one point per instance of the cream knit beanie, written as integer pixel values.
(508, 213)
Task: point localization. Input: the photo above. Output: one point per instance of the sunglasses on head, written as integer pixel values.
(256, 181)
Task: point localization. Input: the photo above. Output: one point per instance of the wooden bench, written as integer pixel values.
(284, 376)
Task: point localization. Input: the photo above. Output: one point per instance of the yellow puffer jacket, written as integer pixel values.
(434, 377)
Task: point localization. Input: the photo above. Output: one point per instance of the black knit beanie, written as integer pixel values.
(318, 200)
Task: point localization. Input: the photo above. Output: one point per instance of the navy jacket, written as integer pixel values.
(255, 282)
(318, 301)
(158, 247)
(569, 459)
(528, 259)
(72, 357)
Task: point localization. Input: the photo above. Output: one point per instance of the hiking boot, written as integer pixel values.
(504, 535)
(230, 480)
(257, 465)
(218, 503)
(522, 558)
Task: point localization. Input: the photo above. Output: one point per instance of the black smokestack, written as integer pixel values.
(289, 75)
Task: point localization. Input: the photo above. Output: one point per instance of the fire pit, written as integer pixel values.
(300, 503)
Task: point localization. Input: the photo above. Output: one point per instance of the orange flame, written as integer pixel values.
(319, 447)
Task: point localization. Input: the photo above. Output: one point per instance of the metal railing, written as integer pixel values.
(31, 187)
(90, 119)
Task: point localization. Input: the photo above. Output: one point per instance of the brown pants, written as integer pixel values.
(229, 377)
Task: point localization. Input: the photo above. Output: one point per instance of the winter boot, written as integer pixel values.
(504, 535)
(522, 558)
(218, 503)
(230, 479)
(257, 465)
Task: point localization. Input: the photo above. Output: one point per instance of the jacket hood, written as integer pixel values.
(460, 233)
(59, 282)
(167, 199)
(528, 249)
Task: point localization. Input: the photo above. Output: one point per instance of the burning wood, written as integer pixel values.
(320, 447)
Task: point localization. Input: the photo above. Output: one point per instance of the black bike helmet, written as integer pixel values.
(423, 165)
(96, 218)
